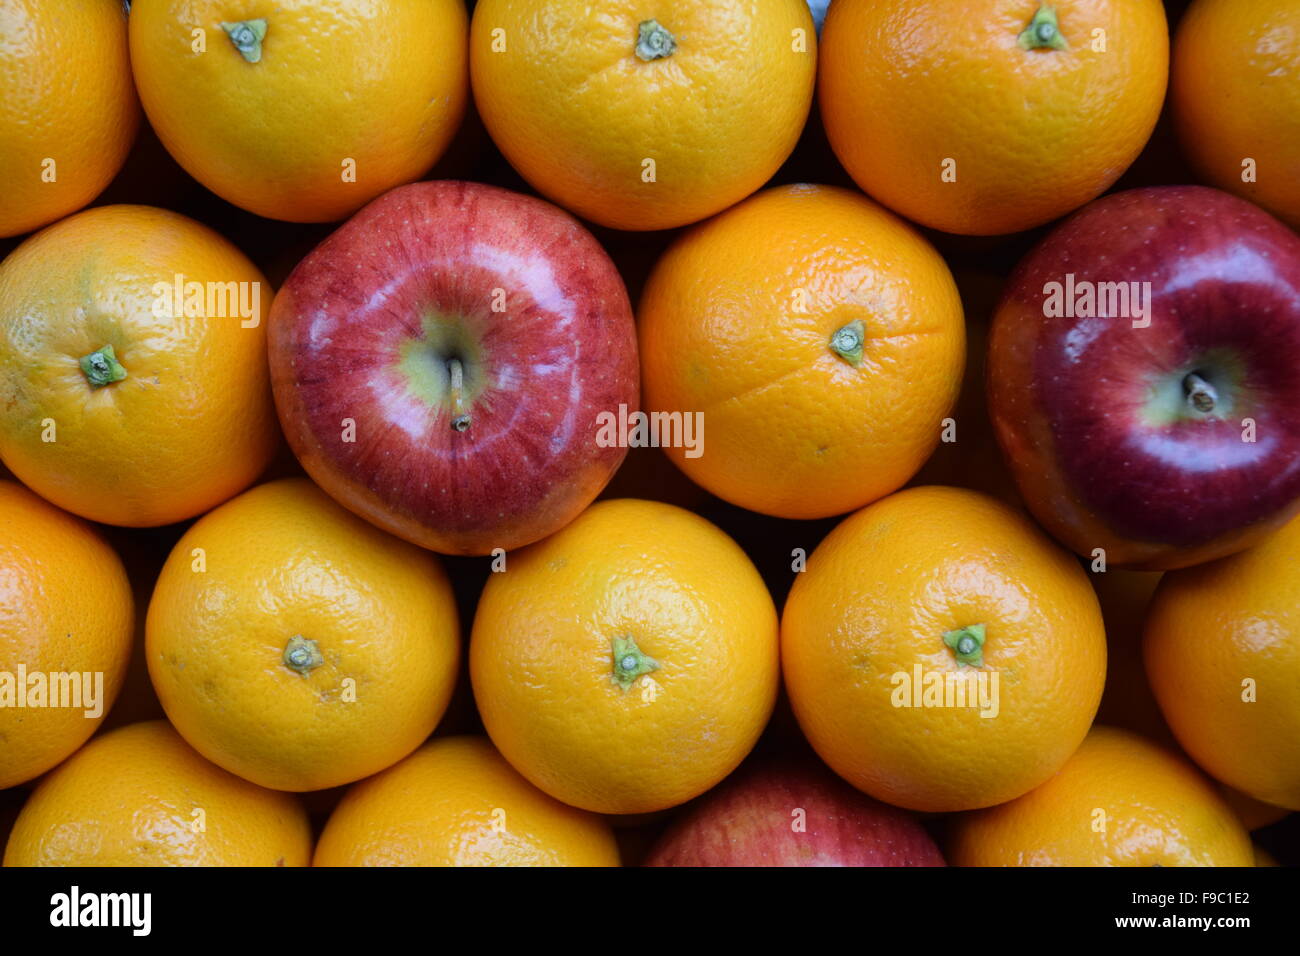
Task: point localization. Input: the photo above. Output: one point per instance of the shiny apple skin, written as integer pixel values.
(1066, 394)
(562, 351)
(747, 821)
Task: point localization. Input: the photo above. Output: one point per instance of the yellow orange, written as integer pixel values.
(1235, 92)
(1222, 651)
(923, 594)
(192, 421)
(335, 103)
(68, 110)
(990, 116)
(628, 662)
(65, 609)
(818, 340)
(456, 802)
(643, 115)
(297, 645)
(1119, 801)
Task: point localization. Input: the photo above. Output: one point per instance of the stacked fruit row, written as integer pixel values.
(457, 370)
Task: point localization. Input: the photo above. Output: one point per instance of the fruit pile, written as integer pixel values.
(673, 433)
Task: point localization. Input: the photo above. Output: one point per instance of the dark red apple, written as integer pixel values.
(439, 363)
(792, 812)
(1164, 429)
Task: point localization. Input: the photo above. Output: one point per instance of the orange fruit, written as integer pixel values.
(1222, 651)
(1235, 94)
(456, 802)
(192, 421)
(643, 115)
(141, 796)
(1121, 800)
(628, 662)
(818, 340)
(296, 644)
(68, 111)
(303, 110)
(941, 653)
(65, 610)
(985, 117)
(1254, 814)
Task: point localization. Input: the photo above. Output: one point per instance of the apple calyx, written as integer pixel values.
(302, 655)
(1043, 32)
(847, 342)
(629, 662)
(1200, 393)
(653, 41)
(101, 367)
(247, 36)
(459, 417)
(967, 644)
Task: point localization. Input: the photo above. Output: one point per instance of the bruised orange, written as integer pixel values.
(817, 341)
(456, 802)
(990, 116)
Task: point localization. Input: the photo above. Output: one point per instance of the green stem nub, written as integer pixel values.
(302, 655)
(847, 342)
(1200, 393)
(101, 367)
(653, 41)
(1043, 32)
(247, 36)
(967, 644)
(459, 417)
(629, 662)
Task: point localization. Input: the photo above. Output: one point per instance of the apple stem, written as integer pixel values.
(1199, 392)
(101, 367)
(302, 655)
(1043, 32)
(967, 644)
(460, 420)
(629, 662)
(247, 36)
(653, 41)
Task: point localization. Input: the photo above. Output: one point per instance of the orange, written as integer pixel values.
(68, 111)
(93, 298)
(302, 110)
(66, 610)
(1222, 652)
(456, 802)
(941, 653)
(297, 645)
(1254, 814)
(644, 115)
(1121, 800)
(628, 662)
(985, 117)
(140, 796)
(1235, 94)
(818, 341)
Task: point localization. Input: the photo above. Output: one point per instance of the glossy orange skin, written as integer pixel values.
(541, 658)
(1119, 801)
(1212, 629)
(1235, 92)
(193, 421)
(878, 595)
(65, 607)
(141, 796)
(736, 323)
(456, 802)
(905, 87)
(380, 83)
(65, 95)
(284, 560)
(574, 109)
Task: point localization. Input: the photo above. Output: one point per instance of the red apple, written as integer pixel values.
(439, 363)
(792, 812)
(1166, 433)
